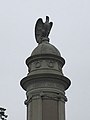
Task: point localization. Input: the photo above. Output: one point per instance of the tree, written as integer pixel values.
(2, 114)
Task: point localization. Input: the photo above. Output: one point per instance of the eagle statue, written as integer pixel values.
(42, 29)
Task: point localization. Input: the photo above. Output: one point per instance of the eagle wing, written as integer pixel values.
(50, 26)
(38, 30)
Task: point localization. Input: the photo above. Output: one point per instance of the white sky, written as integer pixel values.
(70, 34)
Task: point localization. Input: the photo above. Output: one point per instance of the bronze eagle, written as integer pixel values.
(42, 29)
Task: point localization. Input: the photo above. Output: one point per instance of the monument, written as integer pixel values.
(45, 83)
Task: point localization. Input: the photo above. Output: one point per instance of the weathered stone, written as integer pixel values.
(45, 83)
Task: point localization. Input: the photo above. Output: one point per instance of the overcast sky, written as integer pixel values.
(70, 34)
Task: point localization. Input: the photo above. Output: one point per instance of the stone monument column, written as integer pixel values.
(45, 83)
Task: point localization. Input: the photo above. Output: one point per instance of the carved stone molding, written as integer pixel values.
(54, 81)
(50, 63)
(37, 64)
(45, 61)
(46, 95)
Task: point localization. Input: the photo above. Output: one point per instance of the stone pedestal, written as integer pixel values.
(45, 87)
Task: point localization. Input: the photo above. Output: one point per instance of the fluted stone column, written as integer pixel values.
(45, 84)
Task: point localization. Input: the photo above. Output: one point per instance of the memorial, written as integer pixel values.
(45, 83)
